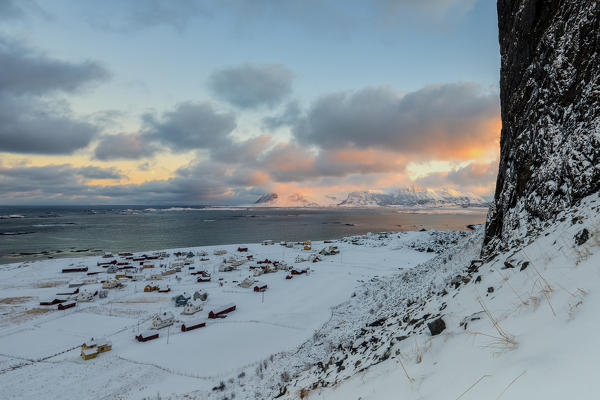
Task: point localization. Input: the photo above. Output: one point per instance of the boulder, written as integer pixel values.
(437, 326)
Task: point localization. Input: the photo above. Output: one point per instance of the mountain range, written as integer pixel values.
(410, 196)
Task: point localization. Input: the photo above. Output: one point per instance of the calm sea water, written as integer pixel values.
(79, 230)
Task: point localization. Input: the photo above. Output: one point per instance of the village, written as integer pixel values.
(191, 314)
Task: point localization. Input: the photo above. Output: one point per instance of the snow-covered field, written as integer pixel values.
(40, 345)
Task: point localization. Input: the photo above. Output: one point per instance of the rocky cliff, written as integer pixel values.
(550, 99)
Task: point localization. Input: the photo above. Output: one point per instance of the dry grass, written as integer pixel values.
(510, 384)
(472, 386)
(15, 300)
(411, 380)
(26, 315)
(49, 284)
(504, 340)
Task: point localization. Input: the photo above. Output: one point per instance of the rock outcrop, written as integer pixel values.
(550, 99)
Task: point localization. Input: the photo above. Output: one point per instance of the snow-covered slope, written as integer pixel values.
(413, 196)
(523, 325)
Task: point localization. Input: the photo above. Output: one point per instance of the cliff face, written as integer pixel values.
(550, 99)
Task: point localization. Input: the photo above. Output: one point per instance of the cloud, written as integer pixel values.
(288, 117)
(30, 121)
(438, 120)
(190, 126)
(478, 177)
(28, 125)
(252, 85)
(93, 172)
(25, 71)
(124, 146)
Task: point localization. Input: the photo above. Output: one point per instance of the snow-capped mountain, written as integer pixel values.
(293, 200)
(414, 196)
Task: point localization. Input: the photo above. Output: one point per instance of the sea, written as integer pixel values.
(31, 233)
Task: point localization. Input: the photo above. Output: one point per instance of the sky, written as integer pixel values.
(195, 102)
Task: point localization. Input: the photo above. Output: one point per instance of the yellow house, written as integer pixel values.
(88, 353)
(307, 247)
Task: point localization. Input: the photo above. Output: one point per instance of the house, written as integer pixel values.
(202, 254)
(111, 284)
(267, 242)
(307, 247)
(203, 279)
(262, 287)
(164, 289)
(88, 354)
(192, 325)
(151, 288)
(242, 249)
(299, 272)
(288, 277)
(162, 320)
(107, 255)
(156, 277)
(222, 311)
(51, 302)
(219, 252)
(226, 268)
(102, 294)
(85, 296)
(66, 305)
(246, 283)
(181, 300)
(200, 296)
(329, 251)
(145, 336)
(68, 293)
(192, 307)
(76, 269)
(101, 345)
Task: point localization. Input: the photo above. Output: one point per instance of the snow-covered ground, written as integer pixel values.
(39, 345)
(523, 325)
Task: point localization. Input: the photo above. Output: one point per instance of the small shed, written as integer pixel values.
(77, 269)
(146, 336)
(221, 311)
(66, 306)
(89, 353)
(191, 325)
(261, 287)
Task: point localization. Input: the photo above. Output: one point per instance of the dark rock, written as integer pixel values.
(491, 289)
(550, 111)
(524, 265)
(478, 279)
(436, 327)
(582, 237)
(507, 265)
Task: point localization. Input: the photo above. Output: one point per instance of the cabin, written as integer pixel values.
(85, 296)
(242, 249)
(75, 284)
(51, 302)
(192, 307)
(203, 279)
(260, 287)
(307, 247)
(111, 284)
(246, 283)
(299, 272)
(125, 254)
(267, 243)
(147, 265)
(219, 252)
(101, 345)
(107, 255)
(88, 354)
(146, 336)
(162, 320)
(66, 306)
(192, 325)
(164, 289)
(150, 288)
(156, 277)
(76, 269)
(221, 312)
(226, 268)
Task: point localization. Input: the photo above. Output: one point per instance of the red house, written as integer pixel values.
(145, 336)
(242, 249)
(221, 311)
(65, 306)
(260, 288)
(51, 303)
(78, 269)
(192, 325)
(299, 272)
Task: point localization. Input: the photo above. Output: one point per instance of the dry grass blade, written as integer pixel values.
(411, 380)
(510, 384)
(504, 338)
(473, 385)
